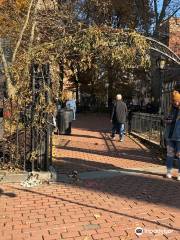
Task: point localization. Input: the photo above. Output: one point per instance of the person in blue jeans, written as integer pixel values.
(172, 135)
(118, 118)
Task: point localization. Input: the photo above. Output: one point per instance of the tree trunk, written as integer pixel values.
(11, 90)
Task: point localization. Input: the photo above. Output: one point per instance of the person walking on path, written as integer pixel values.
(172, 135)
(118, 118)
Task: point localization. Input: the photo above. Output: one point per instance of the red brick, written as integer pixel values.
(118, 233)
(114, 238)
(78, 216)
(84, 238)
(100, 236)
(104, 230)
(84, 219)
(36, 225)
(88, 232)
(70, 234)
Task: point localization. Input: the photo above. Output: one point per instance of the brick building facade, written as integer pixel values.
(174, 35)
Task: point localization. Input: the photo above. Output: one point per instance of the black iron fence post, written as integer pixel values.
(3, 137)
(33, 82)
(47, 82)
(25, 136)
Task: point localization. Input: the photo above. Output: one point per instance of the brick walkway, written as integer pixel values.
(110, 208)
(90, 148)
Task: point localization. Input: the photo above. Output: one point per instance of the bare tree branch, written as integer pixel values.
(33, 26)
(162, 14)
(170, 16)
(156, 11)
(11, 91)
(22, 31)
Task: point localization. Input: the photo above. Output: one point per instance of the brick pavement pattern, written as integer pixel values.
(93, 209)
(90, 148)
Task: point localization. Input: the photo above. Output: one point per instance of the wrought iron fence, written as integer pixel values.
(147, 126)
(168, 87)
(151, 126)
(23, 144)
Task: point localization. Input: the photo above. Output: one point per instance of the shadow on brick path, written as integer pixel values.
(8, 194)
(90, 148)
(154, 192)
(93, 122)
(76, 164)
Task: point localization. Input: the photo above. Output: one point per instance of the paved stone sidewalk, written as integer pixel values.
(99, 208)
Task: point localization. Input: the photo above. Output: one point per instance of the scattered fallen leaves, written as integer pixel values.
(97, 216)
(86, 238)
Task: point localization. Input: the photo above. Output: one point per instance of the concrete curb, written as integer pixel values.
(21, 177)
(134, 137)
(111, 173)
(53, 176)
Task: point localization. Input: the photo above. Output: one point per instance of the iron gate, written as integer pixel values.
(24, 144)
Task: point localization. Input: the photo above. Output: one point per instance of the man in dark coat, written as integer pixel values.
(118, 118)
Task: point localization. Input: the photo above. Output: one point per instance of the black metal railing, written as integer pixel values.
(147, 126)
(168, 87)
(23, 143)
(151, 126)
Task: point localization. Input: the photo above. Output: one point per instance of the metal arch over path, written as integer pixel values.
(163, 49)
(160, 48)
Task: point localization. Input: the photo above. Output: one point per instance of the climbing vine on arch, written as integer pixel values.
(45, 36)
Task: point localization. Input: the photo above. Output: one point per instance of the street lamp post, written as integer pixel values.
(161, 62)
(107, 93)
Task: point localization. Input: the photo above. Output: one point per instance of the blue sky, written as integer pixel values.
(160, 2)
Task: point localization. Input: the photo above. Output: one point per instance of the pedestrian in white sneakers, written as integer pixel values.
(172, 135)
